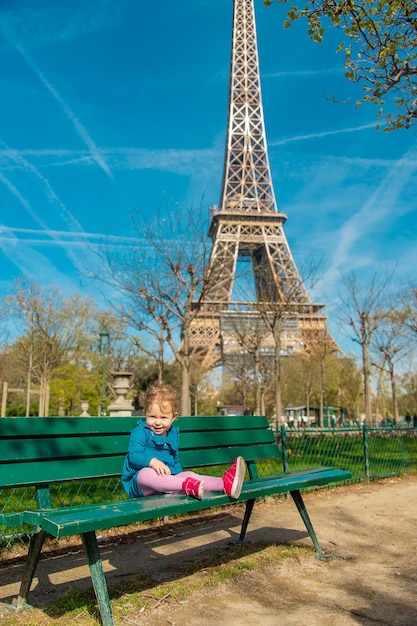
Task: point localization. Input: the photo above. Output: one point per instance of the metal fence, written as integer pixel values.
(368, 453)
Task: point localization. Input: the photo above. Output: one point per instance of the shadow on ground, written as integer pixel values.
(160, 553)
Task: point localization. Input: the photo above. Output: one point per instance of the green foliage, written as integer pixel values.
(379, 40)
(70, 386)
(145, 373)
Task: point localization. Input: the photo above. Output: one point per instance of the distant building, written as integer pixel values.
(230, 409)
(297, 416)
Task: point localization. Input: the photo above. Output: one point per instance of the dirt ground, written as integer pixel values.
(371, 529)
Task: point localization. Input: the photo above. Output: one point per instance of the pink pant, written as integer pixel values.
(150, 482)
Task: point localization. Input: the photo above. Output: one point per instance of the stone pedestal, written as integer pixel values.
(121, 407)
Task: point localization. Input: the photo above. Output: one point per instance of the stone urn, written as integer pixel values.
(121, 386)
(84, 409)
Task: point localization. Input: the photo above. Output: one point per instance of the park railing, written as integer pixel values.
(368, 453)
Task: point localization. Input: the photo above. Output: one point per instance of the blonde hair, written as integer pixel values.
(161, 395)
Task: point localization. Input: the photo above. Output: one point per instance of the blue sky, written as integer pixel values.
(111, 105)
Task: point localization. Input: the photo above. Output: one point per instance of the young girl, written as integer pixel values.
(151, 465)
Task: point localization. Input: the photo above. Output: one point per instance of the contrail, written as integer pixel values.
(297, 73)
(16, 193)
(66, 215)
(375, 209)
(82, 236)
(83, 134)
(326, 133)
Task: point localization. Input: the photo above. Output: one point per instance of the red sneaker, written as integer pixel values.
(233, 478)
(193, 487)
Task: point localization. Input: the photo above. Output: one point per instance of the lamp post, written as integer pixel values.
(104, 351)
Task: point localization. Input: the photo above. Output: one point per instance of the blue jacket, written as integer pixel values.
(144, 446)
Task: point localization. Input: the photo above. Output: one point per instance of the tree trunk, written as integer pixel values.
(161, 360)
(185, 388)
(263, 412)
(366, 385)
(257, 385)
(323, 395)
(29, 383)
(278, 396)
(321, 420)
(394, 393)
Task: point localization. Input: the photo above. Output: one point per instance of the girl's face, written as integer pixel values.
(159, 419)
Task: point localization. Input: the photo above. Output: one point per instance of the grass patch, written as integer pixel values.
(71, 608)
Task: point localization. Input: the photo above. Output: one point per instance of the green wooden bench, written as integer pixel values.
(42, 452)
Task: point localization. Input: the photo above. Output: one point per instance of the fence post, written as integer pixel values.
(365, 435)
(284, 448)
(4, 400)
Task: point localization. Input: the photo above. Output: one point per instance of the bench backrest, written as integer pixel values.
(38, 451)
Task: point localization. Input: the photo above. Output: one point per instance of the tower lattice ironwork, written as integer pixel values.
(248, 225)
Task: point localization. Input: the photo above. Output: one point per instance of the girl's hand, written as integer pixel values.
(159, 467)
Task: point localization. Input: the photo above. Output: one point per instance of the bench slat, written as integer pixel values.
(49, 470)
(114, 443)
(49, 426)
(222, 456)
(68, 521)
(229, 422)
(51, 448)
(220, 438)
(10, 519)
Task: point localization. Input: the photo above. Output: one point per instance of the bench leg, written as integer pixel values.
(35, 547)
(97, 576)
(246, 518)
(296, 496)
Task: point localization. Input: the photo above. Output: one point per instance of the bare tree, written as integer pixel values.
(391, 345)
(156, 283)
(409, 395)
(53, 329)
(301, 380)
(349, 387)
(409, 304)
(150, 319)
(249, 333)
(240, 369)
(279, 307)
(321, 351)
(362, 309)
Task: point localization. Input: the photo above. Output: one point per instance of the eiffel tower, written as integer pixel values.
(248, 225)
